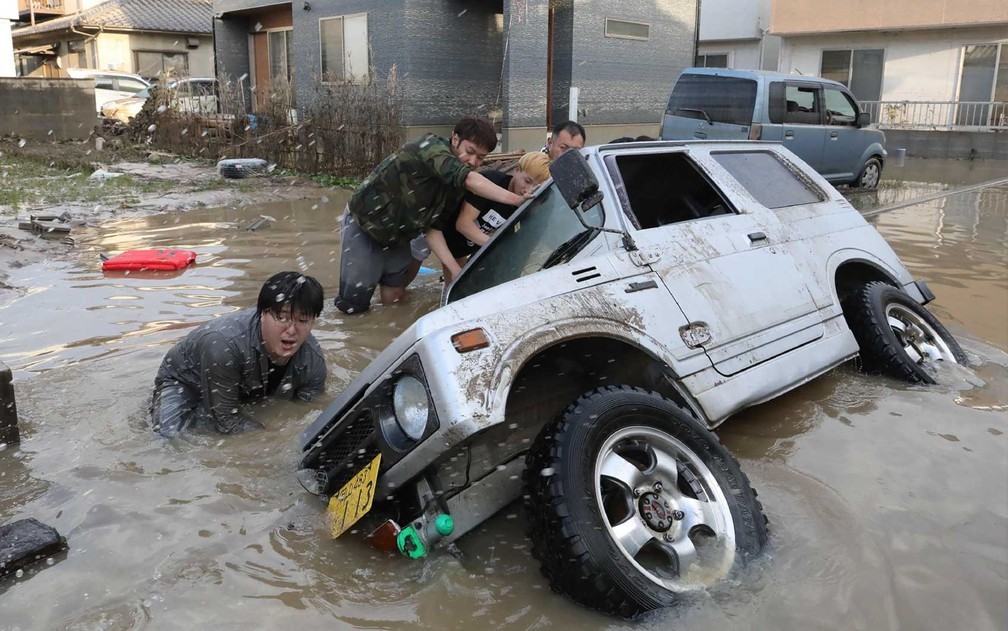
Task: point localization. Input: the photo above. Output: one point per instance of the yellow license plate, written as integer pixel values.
(353, 500)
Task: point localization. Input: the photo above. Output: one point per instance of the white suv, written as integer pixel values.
(110, 85)
(580, 360)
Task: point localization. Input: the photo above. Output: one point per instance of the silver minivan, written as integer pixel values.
(817, 119)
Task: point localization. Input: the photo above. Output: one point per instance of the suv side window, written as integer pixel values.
(840, 110)
(666, 188)
(802, 105)
(103, 82)
(768, 179)
(130, 85)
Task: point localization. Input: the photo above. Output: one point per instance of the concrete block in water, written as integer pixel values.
(27, 541)
(8, 410)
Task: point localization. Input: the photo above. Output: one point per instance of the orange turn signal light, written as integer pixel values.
(470, 340)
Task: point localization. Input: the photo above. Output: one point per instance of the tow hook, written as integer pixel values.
(414, 541)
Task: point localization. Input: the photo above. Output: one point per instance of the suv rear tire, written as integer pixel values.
(896, 335)
(631, 501)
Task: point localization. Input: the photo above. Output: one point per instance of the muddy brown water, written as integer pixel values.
(888, 503)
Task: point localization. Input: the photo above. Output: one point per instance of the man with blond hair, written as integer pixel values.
(478, 217)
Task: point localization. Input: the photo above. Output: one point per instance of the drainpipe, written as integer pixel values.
(89, 37)
(696, 36)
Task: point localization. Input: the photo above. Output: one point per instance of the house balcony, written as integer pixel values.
(806, 17)
(44, 9)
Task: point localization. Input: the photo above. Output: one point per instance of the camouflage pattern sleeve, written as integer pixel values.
(436, 153)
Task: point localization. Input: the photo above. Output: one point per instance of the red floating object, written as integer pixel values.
(150, 260)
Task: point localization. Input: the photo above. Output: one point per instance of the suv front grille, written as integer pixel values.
(347, 453)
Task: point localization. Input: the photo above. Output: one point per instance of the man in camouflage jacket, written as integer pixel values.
(405, 196)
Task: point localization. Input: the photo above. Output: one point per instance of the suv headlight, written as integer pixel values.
(411, 406)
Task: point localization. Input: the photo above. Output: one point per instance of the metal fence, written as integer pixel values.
(942, 115)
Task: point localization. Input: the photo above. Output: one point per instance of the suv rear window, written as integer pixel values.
(723, 99)
(768, 180)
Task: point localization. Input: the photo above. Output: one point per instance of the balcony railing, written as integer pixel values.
(41, 7)
(940, 115)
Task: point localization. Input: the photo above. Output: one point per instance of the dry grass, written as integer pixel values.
(344, 131)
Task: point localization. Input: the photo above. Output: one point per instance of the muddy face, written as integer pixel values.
(894, 496)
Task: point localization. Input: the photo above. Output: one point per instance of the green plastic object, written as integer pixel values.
(410, 544)
(444, 524)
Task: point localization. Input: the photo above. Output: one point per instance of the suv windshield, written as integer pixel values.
(543, 234)
(721, 99)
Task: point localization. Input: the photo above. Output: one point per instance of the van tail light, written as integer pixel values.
(755, 131)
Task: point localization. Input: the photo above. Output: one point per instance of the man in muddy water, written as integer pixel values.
(566, 135)
(406, 195)
(257, 352)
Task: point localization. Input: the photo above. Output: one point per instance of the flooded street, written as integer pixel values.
(888, 503)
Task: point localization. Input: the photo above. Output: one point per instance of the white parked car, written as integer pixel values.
(196, 95)
(111, 85)
(582, 358)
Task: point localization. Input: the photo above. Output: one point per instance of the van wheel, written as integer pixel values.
(897, 336)
(631, 501)
(870, 175)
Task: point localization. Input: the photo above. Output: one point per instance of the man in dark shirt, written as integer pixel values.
(406, 195)
(243, 355)
(470, 227)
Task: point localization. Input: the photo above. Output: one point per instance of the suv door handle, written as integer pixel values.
(789, 135)
(833, 135)
(756, 236)
(700, 135)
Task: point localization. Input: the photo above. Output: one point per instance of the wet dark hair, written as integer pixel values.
(571, 127)
(478, 131)
(303, 293)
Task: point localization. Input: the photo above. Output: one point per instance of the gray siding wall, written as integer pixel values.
(231, 50)
(527, 28)
(621, 80)
(388, 48)
(454, 63)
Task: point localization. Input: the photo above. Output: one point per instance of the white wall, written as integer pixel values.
(8, 12)
(737, 27)
(733, 19)
(115, 51)
(919, 65)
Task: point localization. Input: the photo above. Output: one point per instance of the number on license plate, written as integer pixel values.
(354, 500)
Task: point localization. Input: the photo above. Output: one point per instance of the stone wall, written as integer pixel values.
(47, 109)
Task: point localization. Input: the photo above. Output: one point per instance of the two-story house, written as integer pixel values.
(515, 61)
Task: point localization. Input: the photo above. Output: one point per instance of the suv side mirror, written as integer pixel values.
(575, 180)
(863, 119)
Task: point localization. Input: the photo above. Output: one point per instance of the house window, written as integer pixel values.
(623, 29)
(344, 43)
(859, 70)
(984, 77)
(151, 64)
(281, 54)
(717, 60)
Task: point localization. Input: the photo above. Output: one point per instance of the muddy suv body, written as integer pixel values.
(581, 358)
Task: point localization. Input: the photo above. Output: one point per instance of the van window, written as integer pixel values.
(802, 105)
(666, 188)
(839, 108)
(103, 82)
(722, 99)
(768, 179)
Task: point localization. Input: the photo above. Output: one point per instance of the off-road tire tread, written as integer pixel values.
(564, 559)
(877, 354)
